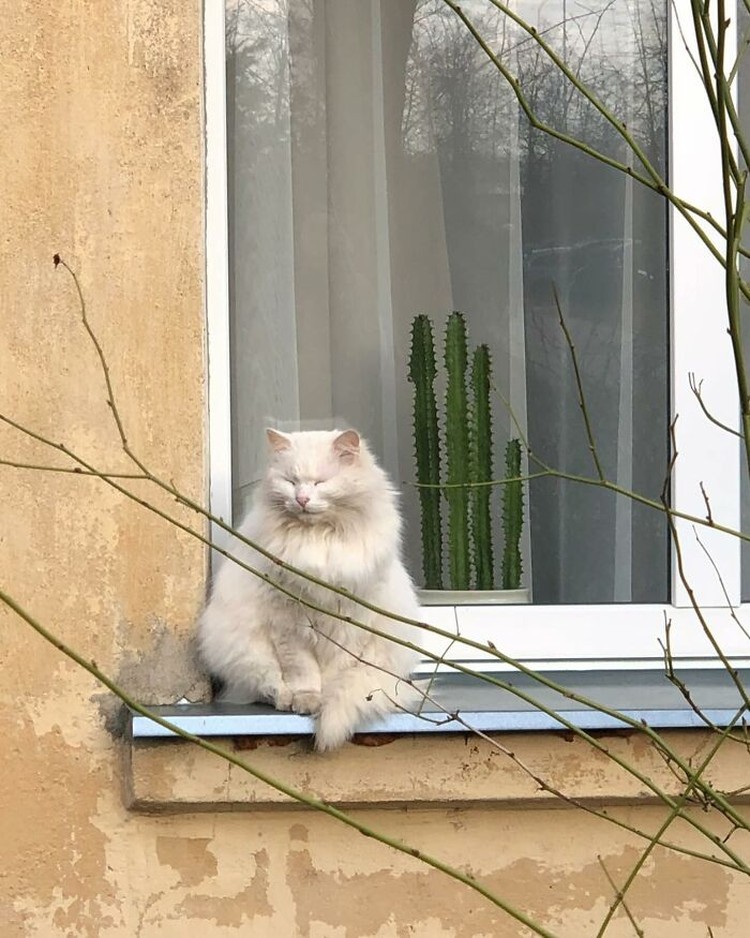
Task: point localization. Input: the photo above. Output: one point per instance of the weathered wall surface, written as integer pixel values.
(101, 160)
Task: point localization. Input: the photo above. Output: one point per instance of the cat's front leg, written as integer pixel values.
(301, 674)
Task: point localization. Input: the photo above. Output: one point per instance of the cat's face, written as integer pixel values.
(313, 474)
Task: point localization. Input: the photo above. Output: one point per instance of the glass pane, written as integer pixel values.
(380, 167)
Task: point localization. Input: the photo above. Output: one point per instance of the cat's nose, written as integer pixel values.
(302, 500)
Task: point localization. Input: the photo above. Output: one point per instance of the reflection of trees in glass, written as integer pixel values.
(453, 93)
(617, 48)
(257, 57)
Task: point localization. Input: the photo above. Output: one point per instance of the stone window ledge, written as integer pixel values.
(409, 761)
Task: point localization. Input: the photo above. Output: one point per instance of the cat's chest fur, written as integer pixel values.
(349, 560)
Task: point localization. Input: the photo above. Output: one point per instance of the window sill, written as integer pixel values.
(410, 760)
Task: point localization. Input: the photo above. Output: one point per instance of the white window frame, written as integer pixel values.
(568, 637)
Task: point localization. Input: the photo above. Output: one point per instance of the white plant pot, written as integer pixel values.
(473, 597)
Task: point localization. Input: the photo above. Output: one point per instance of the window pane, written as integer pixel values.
(380, 167)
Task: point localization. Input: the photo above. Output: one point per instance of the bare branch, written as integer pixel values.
(73, 470)
(620, 897)
(696, 387)
(579, 387)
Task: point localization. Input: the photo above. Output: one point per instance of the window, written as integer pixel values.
(366, 163)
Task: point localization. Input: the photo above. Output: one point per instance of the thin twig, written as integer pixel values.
(729, 604)
(60, 262)
(709, 516)
(695, 387)
(716, 44)
(670, 672)
(579, 387)
(73, 470)
(728, 666)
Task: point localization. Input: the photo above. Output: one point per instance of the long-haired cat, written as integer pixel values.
(327, 508)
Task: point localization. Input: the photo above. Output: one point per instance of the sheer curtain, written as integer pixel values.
(601, 241)
(320, 325)
(379, 169)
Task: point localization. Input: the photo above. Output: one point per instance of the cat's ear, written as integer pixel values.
(346, 445)
(277, 440)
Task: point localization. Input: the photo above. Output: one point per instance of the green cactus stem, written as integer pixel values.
(468, 459)
(481, 469)
(457, 453)
(512, 517)
(422, 371)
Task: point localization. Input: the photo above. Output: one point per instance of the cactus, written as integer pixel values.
(512, 517)
(468, 451)
(481, 469)
(457, 453)
(422, 371)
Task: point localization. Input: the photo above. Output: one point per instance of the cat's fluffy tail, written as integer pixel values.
(354, 697)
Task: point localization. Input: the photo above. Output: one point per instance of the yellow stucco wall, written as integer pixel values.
(101, 161)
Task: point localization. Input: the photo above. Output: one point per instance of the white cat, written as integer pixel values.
(327, 508)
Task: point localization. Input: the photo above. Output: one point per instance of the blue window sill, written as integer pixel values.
(641, 695)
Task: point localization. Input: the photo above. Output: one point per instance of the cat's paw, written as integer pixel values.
(306, 701)
(283, 698)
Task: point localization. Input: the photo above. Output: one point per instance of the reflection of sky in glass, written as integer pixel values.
(257, 35)
(615, 47)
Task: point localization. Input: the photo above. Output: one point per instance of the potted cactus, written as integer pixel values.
(458, 560)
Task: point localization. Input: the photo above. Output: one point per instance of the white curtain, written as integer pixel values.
(378, 169)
